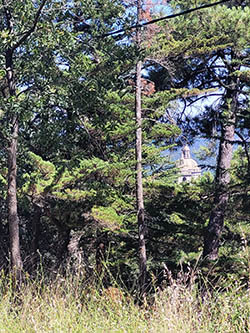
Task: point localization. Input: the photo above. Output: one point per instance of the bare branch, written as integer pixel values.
(203, 96)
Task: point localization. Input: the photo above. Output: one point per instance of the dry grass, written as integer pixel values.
(68, 305)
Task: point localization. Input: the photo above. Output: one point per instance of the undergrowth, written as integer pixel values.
(73, 305)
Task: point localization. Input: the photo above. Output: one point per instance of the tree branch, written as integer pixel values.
(203, 96)
(141, 25)
(32, 29)
(245, 148)
(8, 15)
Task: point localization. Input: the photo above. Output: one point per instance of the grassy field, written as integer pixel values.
(68, 305)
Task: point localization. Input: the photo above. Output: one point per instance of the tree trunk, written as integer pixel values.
(13, 220)
(222, 179)
(75, 261)
(139, 185)
(62, 244)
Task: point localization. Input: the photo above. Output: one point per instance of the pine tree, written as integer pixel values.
(206, 51)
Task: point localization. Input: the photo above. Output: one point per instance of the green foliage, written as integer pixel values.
(42, 176)
(107, 217)
(75, 105)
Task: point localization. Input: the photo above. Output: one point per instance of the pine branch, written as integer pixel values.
(246, 148)
(141, 25)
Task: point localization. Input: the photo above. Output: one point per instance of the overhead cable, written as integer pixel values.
(141, 25)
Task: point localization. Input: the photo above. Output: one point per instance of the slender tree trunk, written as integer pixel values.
(13, 220)
(16, 261)
(222, 179)
(139, 185)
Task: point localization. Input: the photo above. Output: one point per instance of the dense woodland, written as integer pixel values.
(95, 97)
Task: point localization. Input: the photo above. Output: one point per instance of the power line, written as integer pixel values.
(141, 25)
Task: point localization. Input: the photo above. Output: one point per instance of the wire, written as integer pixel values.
(163, 18)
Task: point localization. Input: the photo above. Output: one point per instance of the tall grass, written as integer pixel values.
(70, 305)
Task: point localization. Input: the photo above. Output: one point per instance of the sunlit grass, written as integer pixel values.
(69, 305)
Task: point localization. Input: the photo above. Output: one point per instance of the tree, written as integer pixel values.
(14, 37)
(211, 60)
(139, 185)
(46, 110)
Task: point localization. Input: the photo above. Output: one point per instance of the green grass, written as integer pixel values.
(69, 305)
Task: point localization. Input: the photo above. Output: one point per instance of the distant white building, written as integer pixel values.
(188, 167)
